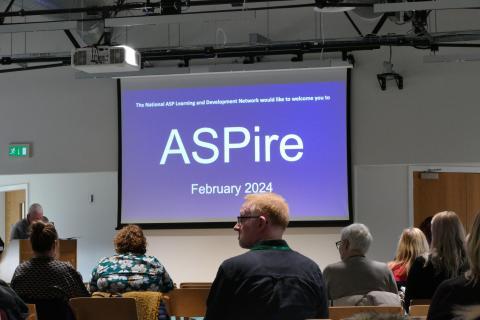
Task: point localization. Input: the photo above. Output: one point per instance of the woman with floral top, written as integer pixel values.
(130, 269)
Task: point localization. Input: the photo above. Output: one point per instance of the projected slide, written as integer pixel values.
(190, 154)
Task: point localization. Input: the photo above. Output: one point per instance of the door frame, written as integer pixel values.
(15, 187)
(432, 168)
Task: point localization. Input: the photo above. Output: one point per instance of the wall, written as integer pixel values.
(66, 201)
(71, 123)
(2, 215)
(73, 127)
(189, 255)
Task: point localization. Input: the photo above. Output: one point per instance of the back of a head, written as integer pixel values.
(473, 250)
(130, 239)
(358, 236)
(272, 205)
(412, 244)
(448, 243)
(42, 237)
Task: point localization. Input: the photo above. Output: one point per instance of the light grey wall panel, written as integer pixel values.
(382, 204)
(71, 123)
(434, 119)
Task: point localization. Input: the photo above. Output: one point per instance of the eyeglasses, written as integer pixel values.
(240, 219)
(338, 244)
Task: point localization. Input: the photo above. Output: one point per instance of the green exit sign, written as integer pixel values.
(19, 150)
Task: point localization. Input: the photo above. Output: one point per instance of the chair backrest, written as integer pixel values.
(187, 302)
(32, 312)
(104, 308)
(420, 301)
(418, 310)
(52, 309)
(193, 285)
(338, 313)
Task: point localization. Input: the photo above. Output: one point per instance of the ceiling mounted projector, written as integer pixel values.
(104, 59)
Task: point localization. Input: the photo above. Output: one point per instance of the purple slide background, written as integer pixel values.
(316, 186)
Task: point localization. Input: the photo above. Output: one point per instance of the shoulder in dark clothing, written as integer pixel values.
(450, 295)
(268, 284)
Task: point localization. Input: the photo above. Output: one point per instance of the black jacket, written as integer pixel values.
(11, 303)
(270, 282)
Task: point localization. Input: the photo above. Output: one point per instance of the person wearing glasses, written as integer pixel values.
(356, 279)
(270, 281)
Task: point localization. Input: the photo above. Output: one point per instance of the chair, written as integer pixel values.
(420, 301)
(193, 285)
(418, 310)
(187, 303)
(338, 313)
(51, 309)
(105, 308)
(32, 312)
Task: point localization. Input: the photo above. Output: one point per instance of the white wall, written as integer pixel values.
(65, 199)
(194, 255)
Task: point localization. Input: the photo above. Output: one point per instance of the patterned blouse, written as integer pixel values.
(47, 278)
(129, 272)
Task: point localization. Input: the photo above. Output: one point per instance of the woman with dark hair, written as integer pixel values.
(426, 227)
(44, 279)
(447, 258)
(462, 291)
(130, 269)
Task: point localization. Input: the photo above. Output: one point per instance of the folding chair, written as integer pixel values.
(104, 308)
(187, 303)
(418, 310)
(420, 301)
(32, 312)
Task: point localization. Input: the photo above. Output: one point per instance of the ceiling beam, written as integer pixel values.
(426, 5)
(37, 26)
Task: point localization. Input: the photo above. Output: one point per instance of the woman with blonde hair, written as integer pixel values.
(411, 245)
(447, 258)
(462, 291)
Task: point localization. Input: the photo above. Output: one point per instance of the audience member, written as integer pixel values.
(11, 304)
(356, 274)
(43, 277)
(412, 244)
(21, 229)
(426, 227)
(447, 258)
(270, 281)
(130, 269)
(464, 290)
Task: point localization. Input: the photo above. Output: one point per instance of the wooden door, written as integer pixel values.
(14, 207)
(454, 191)
(473, 198)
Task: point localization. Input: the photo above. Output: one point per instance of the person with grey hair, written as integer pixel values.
(21, 229)
(356, 275)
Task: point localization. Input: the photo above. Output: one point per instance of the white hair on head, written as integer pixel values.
(358, 236)
(35, 207)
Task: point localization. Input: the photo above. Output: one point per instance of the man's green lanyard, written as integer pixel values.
(267, 247)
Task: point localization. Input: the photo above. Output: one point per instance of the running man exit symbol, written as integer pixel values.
(19, 150)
